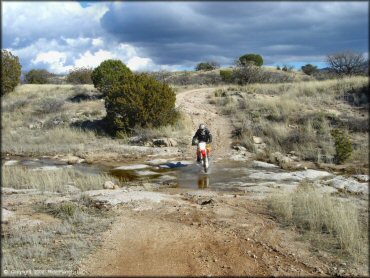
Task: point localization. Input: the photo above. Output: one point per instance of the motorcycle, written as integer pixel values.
(202, 147)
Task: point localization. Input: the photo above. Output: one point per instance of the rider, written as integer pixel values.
(202, 135)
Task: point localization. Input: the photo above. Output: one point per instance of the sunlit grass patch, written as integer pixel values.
(330, 223)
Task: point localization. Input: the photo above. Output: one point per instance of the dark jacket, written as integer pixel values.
(202, 135)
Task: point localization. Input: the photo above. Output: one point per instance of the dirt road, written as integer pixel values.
(201, 232)
(196, 104)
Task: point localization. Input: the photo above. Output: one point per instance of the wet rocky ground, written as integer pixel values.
(152, 184)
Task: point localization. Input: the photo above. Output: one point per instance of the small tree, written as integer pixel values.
(251, 58)
(247, 74)
(346, 63)
(309, 69)
(11, 71)
(140, 101)
(278, 68)
(80, 76)
(109, 73)
(207, 66)
(343, 145)
(38, 76)
(226, 75)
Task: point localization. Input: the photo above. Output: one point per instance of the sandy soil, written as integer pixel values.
(216, 235)
(202, 232)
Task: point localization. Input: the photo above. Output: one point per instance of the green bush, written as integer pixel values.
(247, 59)
(11, 71)
(38, 76)
(207, 66)
(343, 145)
(309, 69)
(80, 76)
(108, 73)
(226, 76)
(140, 101)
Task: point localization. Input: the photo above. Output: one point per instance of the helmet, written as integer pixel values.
(202, 126)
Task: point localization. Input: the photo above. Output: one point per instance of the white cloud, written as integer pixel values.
(30, 20)
(97, 42)
(54, 59)
(93, 60)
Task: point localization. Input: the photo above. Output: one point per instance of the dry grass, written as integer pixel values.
(180, 130)
(54, 249)
(55, 180)
(296, 116)
(39, 120)
(323, 219)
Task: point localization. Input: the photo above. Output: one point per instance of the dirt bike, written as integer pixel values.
(202, 147)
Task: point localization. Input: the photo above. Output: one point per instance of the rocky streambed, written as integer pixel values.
(141, 187)
(257, 177)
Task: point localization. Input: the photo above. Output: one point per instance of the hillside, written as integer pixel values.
(94, 205)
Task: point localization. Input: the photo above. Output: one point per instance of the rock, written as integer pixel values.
(348, 184)
(150, 186)
(280, 158)
(360, 178)
(166, 178)
(56, 200)
(239, 148)
(132, 167)
(108, 185)
(146, 173)
(136, 140)
(295, 176)
(10, 190)
(257, 140)
(156, 162)
(71, 159)
(261, 164)
(72, 189)
(204, 201)
(51, 168)
(10, 162)
(115, 187)
(105, 198)
(6, 215)
(241, 155)
(164, 142)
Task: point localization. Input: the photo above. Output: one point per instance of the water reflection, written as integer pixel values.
(203, 182)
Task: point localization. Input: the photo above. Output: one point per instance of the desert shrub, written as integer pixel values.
(109, 73)
(49, 105)
(226, 76)
(38, 76)
(278, 68)
(247, 74)
(346, 63)
(309, 69)
(11, 71)
(343, 145)
(140, 101)
(247, 59)
(80, 76)
(207, 66)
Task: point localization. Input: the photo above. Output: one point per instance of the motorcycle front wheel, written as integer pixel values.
(205, 164)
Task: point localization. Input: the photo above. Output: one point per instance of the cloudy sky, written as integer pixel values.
(59, 36)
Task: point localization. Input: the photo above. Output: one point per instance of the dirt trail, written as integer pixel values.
(224, 235)
(196, 104)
